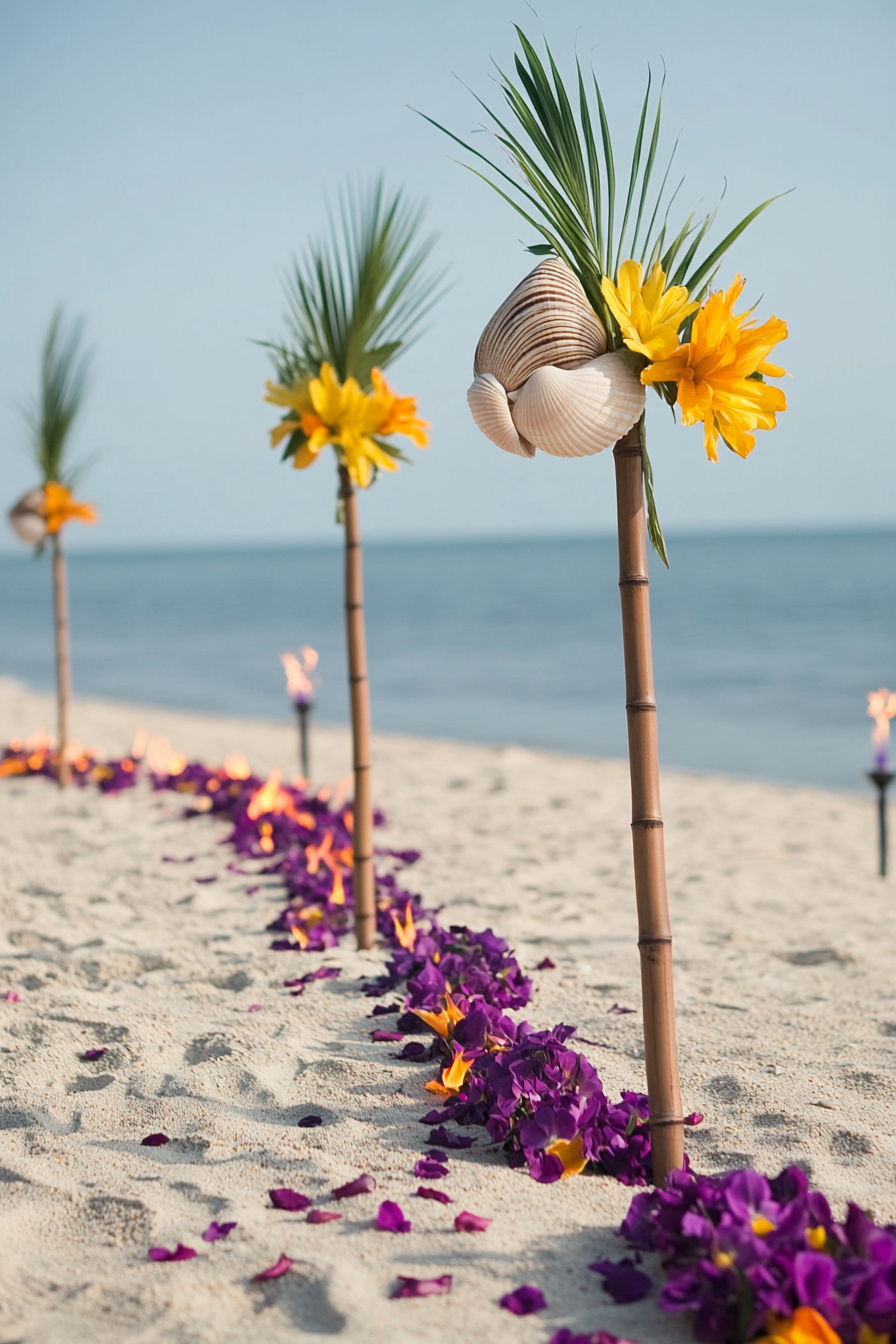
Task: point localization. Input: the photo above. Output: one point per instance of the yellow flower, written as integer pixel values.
(648, 314)
(570, 1154)
(453, 1076)
(714, 374)
(817, 1238)
(327, 411)
(59, 508)
(443, 1022)
(805, 1326)
(762, 1226)
(406, 932)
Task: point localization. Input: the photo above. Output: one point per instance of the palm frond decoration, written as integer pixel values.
(64, 380)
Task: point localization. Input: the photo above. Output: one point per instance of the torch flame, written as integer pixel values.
(406, 932)
(881, 708)
(236, 767)
(299, 685)
(266, 798)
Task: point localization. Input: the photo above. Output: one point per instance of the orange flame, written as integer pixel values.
(298, 671)
(881, 708)
(236, 767)
(406, 933)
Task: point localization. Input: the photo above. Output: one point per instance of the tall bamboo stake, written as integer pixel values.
(362, 832)
(63, 662)
(654, 931)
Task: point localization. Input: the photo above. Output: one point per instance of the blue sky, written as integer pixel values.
(162, 163)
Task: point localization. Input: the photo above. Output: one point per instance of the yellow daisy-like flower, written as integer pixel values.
(60, 508)
(649, 314)
(327, 411)
(714, 373)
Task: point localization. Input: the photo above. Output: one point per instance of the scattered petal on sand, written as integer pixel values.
(383, 1009)
(618, 1010)
(310, 1121)
(413, 1050)
(546, 965)
(322, 1216)
(250, 891)
(408, 1287)
(471, 1222)
(427, 1192)
(155, 1141)
(361, 1185)
(695, 1118)
(203, 881)
(436, 1154)
(218, 1231)
(621, 1280)
(446, 1139)
(180, 1252)
(390, 1218)
(386, 1035)
(290, 1200)
(524, 1300)
(10, 996)
(168, 858)
(96, 1053)
(427, 1170)
(254, 1008)
(283, 1266)
(322, 973)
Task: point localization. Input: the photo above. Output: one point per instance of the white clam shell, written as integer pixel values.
(26, 520)
(490, 409)
(577, 412)
(546, 320)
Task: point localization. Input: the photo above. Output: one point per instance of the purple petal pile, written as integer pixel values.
(740, 1248)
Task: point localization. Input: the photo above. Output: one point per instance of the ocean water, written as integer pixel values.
(764, 645)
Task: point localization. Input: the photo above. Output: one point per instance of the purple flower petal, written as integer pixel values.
(408, 1287)
(250, 891)
(283, 1266)
(96, 1053)
(180, 1252)
(322, 1216)
(523, 1301)
(254, 1008)
(695, 1118)
(427, 1170)
(290, 1200)
(546, 965)
(386, 1035)
(384, 1009)
(413, 1050)
(436, 1154)
(361, 1185)
(446, 1139)
(426, 1192)
(621, 1280)
(390, 1218)
(167, 858)
(155, 1141)
(310, 1121)
(203, 881)
(618, 1010)
(10, 996)
(217, 1231)
(595, 1337)
(471, 1222)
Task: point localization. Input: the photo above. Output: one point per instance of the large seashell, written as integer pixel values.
(546, 320)
(577, 412)
(490, 409)
(26, 518)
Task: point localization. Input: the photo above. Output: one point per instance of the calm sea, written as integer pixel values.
(764, 645)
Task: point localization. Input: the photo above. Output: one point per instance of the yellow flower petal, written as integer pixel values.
(570, 1154)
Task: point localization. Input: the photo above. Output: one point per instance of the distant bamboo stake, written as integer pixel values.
(63, 662)
(654, 931)
(302, 712)
(362, 832)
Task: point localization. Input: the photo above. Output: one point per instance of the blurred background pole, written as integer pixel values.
(362, 833)
(63, 662)
(881, 779)
(302, 712)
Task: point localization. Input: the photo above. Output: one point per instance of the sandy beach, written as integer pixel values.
(784, 941)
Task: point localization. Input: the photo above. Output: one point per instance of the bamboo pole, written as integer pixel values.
(362, 832)
(63, 662)
(654, 931)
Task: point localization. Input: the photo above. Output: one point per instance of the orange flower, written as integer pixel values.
(444, 1021)
(453, 1076)
(60, 508)
(805, 1326)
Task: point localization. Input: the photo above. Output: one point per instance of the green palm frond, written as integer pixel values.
(565, 185)
(358, 298)
(63, 386)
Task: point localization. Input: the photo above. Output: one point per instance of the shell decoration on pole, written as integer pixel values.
(623, 301)
(355, 302)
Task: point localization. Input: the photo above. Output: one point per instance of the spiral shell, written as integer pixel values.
(577, 412)
(490, 409)
(26, 517)
(546, 320)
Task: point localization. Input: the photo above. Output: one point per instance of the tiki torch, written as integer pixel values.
(881, 708)
(300, 689)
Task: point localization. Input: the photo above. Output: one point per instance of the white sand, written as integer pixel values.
(789, 1056)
